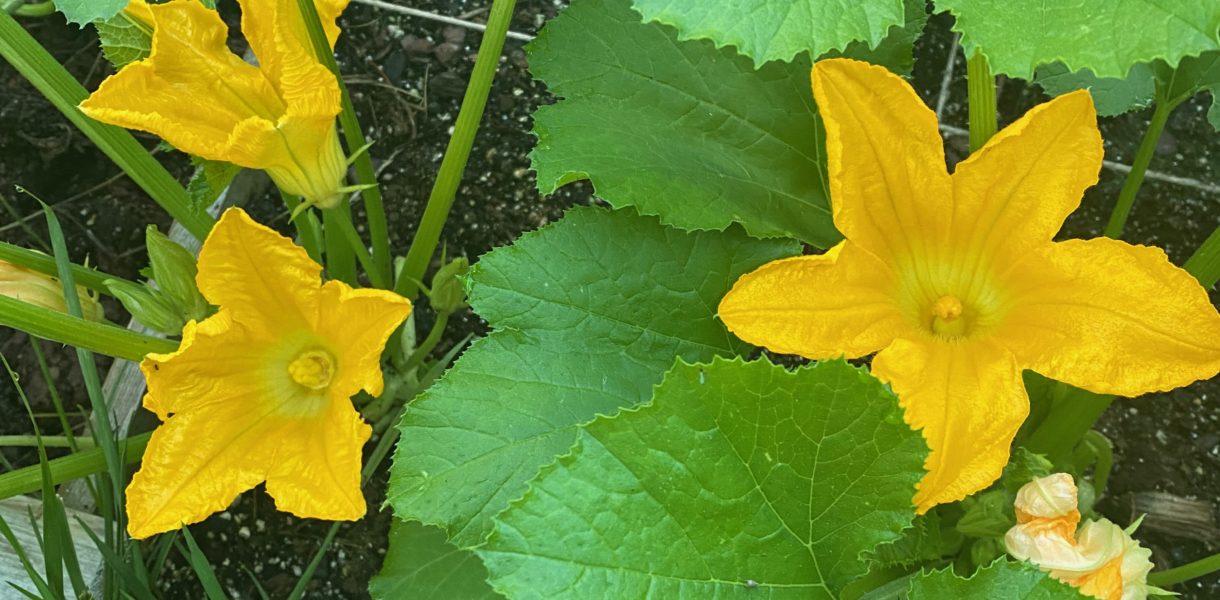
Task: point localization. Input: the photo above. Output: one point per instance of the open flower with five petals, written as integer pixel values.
(955, 279)
(206, 101)
(261, 391)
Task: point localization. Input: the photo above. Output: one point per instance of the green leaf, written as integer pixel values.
(83, 12)
(124, 39)
(738, 477)
(1111, 96)
(896, 51)
(422, 564)
(923, 542)
(1003, 579)
(767, 30)
(1105, 36)
(588, 313)
(1193, 75)
(209, 180)
(679, 129)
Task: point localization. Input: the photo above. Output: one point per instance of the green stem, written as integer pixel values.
(309, 230)
(53, 392)
(50, 441)
(981, 87)
(450, 176)
(1143, 156)
(340, 260)
(96, 337)
(430, 342)
(75, 466)
(44, 263)
(1073, 413)
(46, 74)
(42, 9)
(374, 205)
(1204, 264)
(357, 246)
(1185, 572)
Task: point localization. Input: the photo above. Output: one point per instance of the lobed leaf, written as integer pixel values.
(1002, 579)
(767, 30)
(588, 313)
(1107, 37)
(423, 565)
(83, 12)
(738, 477)
(680, 130)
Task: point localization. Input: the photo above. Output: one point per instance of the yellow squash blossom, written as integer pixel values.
(1101, 559)
(44, 290)
(261, 390)
(956, 281)
(206, 101)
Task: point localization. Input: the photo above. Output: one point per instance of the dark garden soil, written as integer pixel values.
(407, 76)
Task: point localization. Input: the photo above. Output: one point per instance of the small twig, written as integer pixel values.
(414, 12)
(947, 80)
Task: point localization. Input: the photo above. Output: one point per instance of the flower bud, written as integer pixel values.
(449, 287)
(1101, 559)
(150, 307)
(44, 290)
(174, 269)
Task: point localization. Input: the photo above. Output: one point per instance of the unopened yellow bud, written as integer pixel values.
(44, 290)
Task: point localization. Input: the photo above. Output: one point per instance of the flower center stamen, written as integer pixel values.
(947, 316)
(312, 369)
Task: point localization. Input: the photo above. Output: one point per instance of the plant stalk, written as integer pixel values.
(95, 337)
(1185, 572)
(428, 235)
(981, 87)
(1135, 178)
(81, 464)
(374, 205)
(50, 441)
(1204, 264)
(45, 264)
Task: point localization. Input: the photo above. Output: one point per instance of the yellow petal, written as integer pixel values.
(259, 276)
(889, 187)
(1014, 193)
(276, 32)
(192, 91)
(1047, 497)
(968, 399)
(358, 322)
(197, 462)
(1112, 318)
(815, 306)
(317, 468)
(205, 369)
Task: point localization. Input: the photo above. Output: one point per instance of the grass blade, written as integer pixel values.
(203, 568)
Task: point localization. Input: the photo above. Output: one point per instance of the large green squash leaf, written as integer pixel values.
(1104, 36)
(1002, 579)
(1112, 96)
(679, 129)
(738, 479)
(589, 314)
(421, 564)
(767, 30)
(83, 12)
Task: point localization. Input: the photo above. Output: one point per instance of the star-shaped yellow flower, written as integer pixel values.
(204, 100)
(956, 281)
(261, 390)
